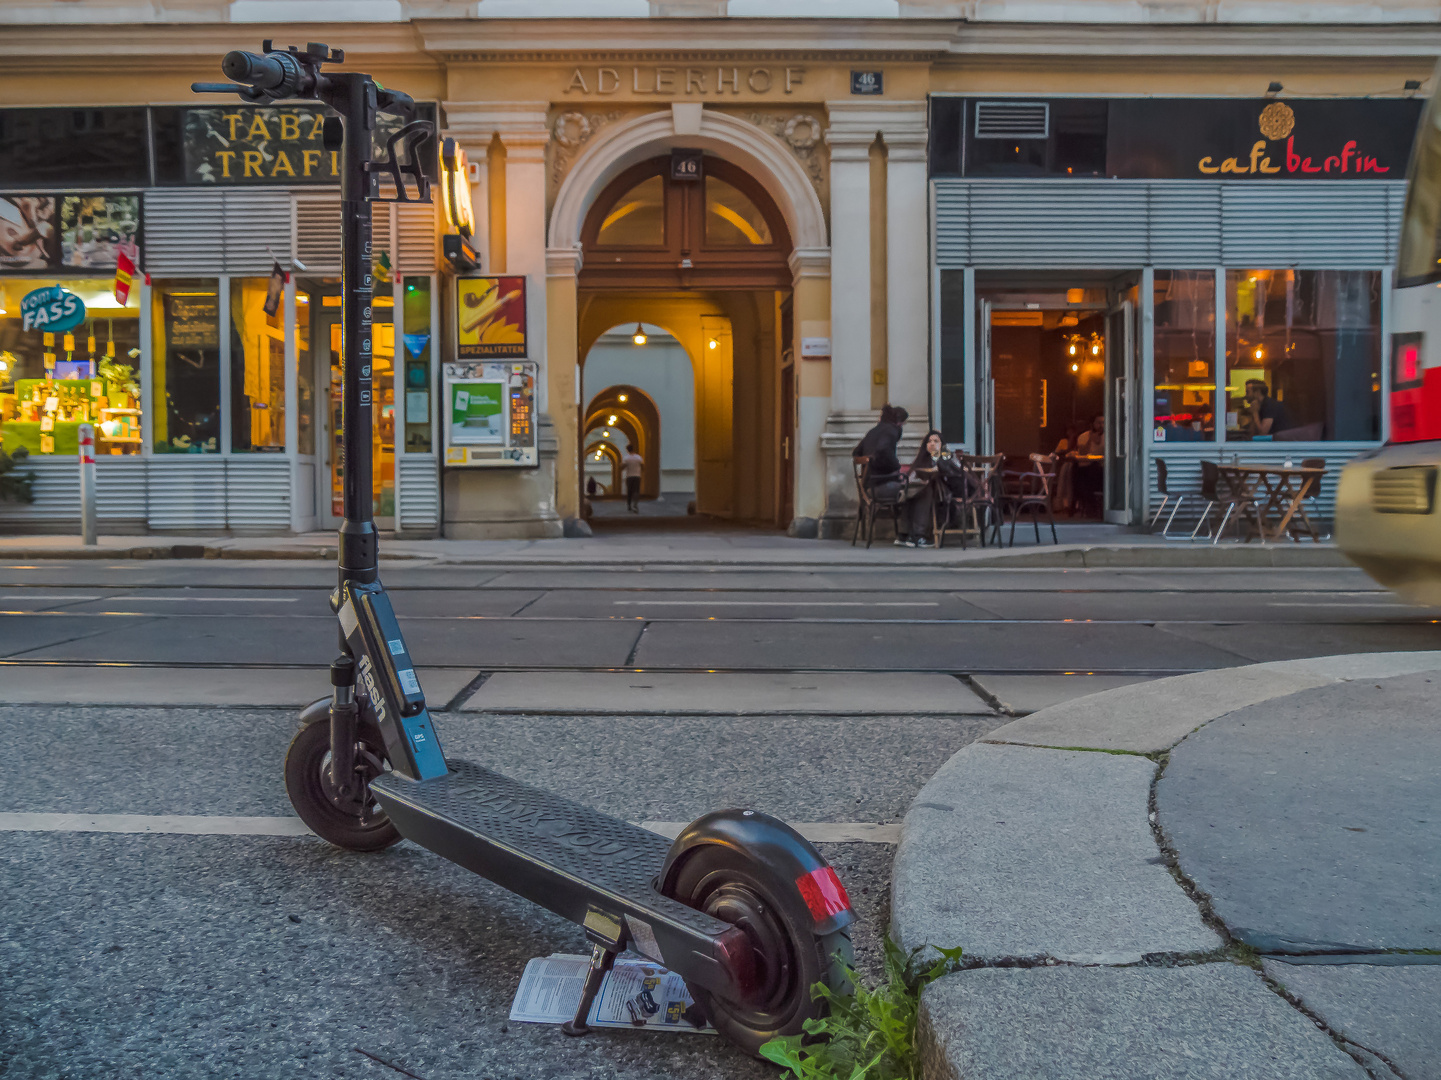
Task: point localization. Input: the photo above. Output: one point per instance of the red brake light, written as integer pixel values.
(823, 893)
(1410, 363)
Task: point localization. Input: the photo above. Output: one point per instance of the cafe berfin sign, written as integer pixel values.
(1243, 139)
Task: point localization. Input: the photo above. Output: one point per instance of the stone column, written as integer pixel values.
(486, 503)
(561, 267)
(908, 262)
(811, 305)
(851, 134)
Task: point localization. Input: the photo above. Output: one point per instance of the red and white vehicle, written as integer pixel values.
(1387, 518)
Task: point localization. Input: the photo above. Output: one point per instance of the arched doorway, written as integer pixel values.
(631, 416)
(707, 258)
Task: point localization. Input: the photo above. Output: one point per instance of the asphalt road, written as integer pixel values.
(160, 955)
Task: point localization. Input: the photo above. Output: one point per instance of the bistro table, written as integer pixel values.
(1268, 489)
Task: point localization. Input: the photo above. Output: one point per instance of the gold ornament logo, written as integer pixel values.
(1277, 120)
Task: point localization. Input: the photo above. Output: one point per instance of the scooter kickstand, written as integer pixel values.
(601, 961)
(607, 935)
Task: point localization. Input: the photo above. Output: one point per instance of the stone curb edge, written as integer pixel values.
(1078, 558)
(1210, 695)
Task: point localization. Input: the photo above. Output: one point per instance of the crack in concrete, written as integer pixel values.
(1238, 951)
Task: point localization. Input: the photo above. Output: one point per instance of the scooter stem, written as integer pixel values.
(358, 556)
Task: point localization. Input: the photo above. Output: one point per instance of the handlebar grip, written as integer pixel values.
(264, 72)
(396, 101)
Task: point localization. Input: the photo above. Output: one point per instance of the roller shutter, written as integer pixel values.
(1021, 224)
(208, 231)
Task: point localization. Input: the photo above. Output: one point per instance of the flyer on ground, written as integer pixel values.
(634, 994)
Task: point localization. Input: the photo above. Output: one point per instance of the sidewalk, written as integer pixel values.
(1081, 546)
(1231, 873)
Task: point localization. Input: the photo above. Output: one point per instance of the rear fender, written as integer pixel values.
(816, 892)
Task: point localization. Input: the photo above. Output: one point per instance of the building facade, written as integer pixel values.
(1006, 223)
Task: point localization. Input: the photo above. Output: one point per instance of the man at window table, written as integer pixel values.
(1268, 416)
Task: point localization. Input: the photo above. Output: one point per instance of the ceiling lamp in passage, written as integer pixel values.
(639, 336)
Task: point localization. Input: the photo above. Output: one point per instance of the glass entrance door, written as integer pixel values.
(985, 385)
(327, 337)
(1120, 410)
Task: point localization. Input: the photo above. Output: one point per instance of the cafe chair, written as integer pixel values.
(977, 508)
(1165, 498)
(1313, 497)
(868, 505)
(1211, 492)
(1032, 491)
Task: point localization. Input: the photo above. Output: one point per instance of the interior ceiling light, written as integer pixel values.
(1096, 348)
(639, 336)
(1075, 367)
(621, 399)
(612, 420)
(1260, 352)
(1073, 348)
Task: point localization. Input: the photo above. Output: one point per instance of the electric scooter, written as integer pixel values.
(740, 905)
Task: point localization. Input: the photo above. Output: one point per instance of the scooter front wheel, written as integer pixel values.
(312, 792)
(790, 957)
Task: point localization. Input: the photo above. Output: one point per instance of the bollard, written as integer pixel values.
(87, 483)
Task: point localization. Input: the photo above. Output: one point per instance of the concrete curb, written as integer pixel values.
(1076, 557)
(959, 879)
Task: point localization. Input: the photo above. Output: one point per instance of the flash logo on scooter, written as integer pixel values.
(366, 670)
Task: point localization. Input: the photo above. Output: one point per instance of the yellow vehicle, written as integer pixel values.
(1386, 509)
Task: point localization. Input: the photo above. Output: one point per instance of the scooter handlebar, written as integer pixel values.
(265, 72)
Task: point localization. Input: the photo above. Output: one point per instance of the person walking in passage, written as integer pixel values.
(631, 464)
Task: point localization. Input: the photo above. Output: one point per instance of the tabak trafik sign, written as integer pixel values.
(247, 144)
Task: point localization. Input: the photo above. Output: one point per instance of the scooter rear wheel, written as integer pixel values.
(313, 794)
(790, 957)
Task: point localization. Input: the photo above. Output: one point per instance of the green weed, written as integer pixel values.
(868, 1034)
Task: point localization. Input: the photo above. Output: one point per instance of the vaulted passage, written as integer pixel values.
(688, 270)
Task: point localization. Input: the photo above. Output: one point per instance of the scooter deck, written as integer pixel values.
(559, 854)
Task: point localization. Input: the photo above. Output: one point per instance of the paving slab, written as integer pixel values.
(671, 693)
(51, 684)
(1021, 695)
(1015, 851)
(1311, 820)
(1150, 717)
(1388, 1010)
(1199, 1022)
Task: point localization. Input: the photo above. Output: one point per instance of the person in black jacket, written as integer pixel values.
(879, 444)
(884, 477)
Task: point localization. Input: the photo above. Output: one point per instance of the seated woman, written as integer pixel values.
(934, 465)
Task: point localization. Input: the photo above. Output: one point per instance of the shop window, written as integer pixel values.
(74, 147)
(185, 317)
(418, 341)
(731, 218)
(51, 383)
(637, 218)
(257, 368)
(1185, 351)
(1310, 341)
